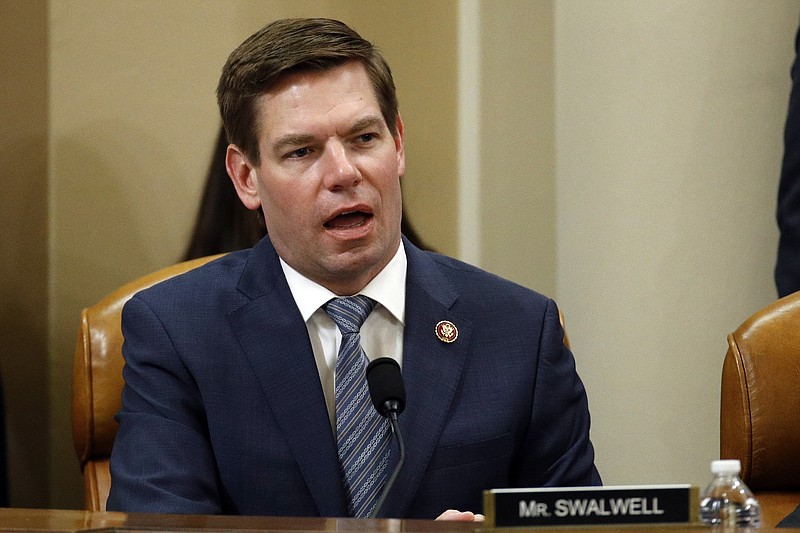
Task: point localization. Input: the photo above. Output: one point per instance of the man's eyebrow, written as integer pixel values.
(365, 124)
(292, 140)
(302, 139)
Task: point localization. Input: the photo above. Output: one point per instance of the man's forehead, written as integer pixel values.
(352, 72)
(309, 100)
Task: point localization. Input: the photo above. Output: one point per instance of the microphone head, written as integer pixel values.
(386, 385)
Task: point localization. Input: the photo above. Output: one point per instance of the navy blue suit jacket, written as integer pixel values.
(223, 411)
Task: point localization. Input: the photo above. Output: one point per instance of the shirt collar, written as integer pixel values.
(388, 288)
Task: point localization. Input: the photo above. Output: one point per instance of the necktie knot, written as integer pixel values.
(349, 313)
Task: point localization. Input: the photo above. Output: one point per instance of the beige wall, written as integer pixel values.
(628, 162)
(668, 137)
(23, 242)
(517, 172)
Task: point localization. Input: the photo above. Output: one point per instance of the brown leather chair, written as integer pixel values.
(760, 406)
(97, 382)
(564, 328)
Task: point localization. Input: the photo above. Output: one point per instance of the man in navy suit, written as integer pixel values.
(228, 404)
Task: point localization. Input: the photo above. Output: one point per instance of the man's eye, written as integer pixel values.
(300, 152)
(366, 137)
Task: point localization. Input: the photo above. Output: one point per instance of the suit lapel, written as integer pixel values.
(431, 371)
(274, 338)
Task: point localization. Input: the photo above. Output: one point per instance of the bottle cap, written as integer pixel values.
(726, 466)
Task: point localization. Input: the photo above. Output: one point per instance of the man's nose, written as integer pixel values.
(340, 170)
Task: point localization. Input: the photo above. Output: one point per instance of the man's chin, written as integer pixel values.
(353, 269)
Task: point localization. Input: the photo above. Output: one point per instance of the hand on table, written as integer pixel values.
(452, 515)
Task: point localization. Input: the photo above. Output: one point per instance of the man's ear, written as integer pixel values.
(399, 144)
(244, 177)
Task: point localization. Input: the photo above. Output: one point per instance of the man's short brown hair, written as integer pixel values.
(284, 47)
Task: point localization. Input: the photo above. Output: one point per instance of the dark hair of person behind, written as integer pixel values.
(224, 224)
(288, 46)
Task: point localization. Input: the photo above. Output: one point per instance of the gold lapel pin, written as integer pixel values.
(446, 331)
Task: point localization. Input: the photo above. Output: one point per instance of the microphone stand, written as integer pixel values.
(390, 408)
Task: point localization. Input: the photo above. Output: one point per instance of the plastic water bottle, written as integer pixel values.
(727, 502)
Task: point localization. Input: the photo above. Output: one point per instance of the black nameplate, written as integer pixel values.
(630, 504)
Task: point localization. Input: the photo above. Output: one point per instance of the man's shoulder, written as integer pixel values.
(471, 281)
(214, 277)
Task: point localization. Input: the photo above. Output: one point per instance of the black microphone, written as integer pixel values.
(389, 397)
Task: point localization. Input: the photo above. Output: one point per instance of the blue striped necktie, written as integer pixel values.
(363, 435)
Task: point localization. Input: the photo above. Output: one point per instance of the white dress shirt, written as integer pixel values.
(381, 333)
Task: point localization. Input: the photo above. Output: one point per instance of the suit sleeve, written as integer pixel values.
(162, 461)
(558, 451)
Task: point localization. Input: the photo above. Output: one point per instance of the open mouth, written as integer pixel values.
(350, 219)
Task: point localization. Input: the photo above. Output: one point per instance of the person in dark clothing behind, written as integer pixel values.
(787, 267)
